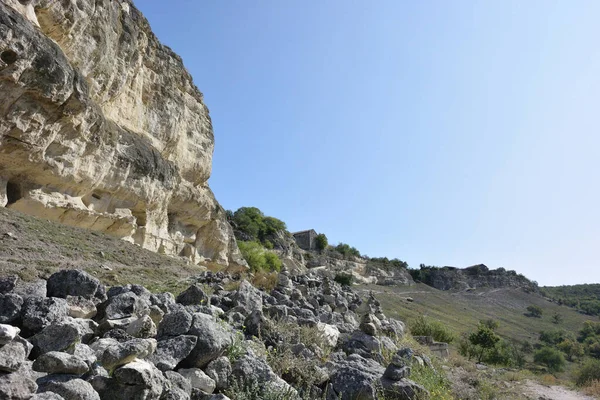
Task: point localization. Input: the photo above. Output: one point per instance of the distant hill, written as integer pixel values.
(476, 276)
(584, 298)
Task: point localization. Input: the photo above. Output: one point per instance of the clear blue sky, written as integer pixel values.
(438, 132)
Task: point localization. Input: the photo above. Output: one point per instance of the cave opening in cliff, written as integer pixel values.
(8, 56)
(140, 218)
(13, 192)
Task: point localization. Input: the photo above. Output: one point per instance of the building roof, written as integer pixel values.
(306, 231)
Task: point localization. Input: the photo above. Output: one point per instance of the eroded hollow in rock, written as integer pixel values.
(8, 56)
(13, 192)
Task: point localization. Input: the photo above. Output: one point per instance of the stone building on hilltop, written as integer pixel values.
(306, 240)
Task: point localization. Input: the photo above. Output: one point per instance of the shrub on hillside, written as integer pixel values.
(554, 337)
(251, 223)
(258, 258)
(424, 327)
(571, 348)
(589, 371)
(321, 242)
(534, 311)
(347, 251)
(551, 358)
(344, 279)
(387, 264)
(483, 340)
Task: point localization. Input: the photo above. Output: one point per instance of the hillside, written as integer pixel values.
(461, 311)
(32, 248)
(584, 298)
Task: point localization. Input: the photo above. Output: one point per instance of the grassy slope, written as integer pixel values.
(37, 248)
(461, 311)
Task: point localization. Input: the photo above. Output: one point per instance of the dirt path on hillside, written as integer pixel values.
(543, 392)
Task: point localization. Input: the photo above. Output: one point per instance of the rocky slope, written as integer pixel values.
(70, 338)
(476, 276)
(101, 127)
(329, 263)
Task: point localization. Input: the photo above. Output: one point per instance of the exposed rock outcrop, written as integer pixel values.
(308, 343)
(477, 276)
(101, 127)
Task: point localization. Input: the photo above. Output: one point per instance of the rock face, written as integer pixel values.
(477, 276)
(101, 127)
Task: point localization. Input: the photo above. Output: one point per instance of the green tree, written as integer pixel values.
(571, 348)
(484, 339)
(321, 242)
(534, 311)
(551, 358)
(557, 318)
(251, 224)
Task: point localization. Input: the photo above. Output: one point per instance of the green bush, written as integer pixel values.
(554, 337)
(423, 327)
(347, 251)
(344, 279)
(589, 371)
(252, 223)
(321, 242)
(534, 311)
(387, 264)
(484, 340)
(551, 358)
(258, 258)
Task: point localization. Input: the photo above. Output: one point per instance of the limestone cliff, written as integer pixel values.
(102, 127)
(476, 276)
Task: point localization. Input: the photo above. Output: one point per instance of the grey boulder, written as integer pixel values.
(74, 282)
(10, 307)
(55, 362)
(171, 351)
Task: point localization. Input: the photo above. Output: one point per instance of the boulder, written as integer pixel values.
(55, 362)
(194, 295)
(16, 386)
(213, 339)
(142, 327)
(74, 282)
(8, 333)
(10, 307)
(56, 337)
(219, 370)
(80, 307)
(175, 323)
(248, 297)
(46, 396)
(123, 305)
(142, 377)
(36, 288)
(7, 283)
(69, 387)
(38, 313)
(356, 378)
(198, 379)
(171, 351)
(119, 354)
(13, 354)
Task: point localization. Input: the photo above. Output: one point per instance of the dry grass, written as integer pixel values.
(548, 379)
(593, 389)
(264, 280)
(41, 247)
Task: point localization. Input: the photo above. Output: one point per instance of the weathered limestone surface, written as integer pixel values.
(102, 127)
